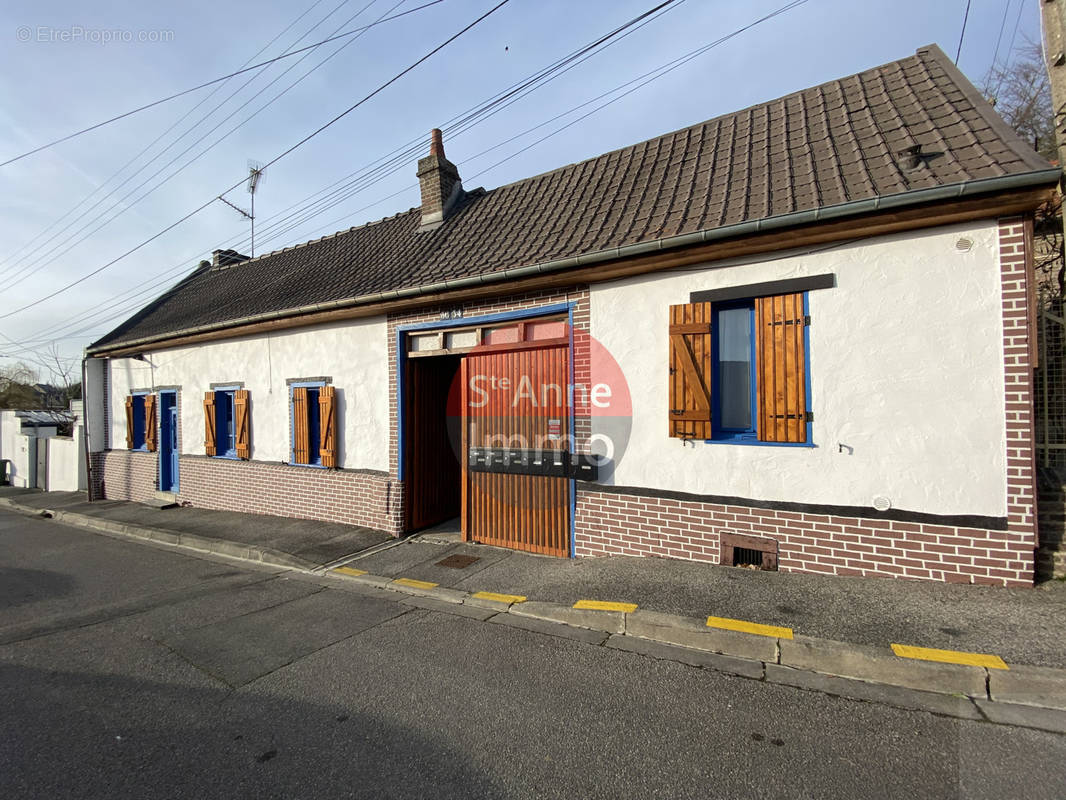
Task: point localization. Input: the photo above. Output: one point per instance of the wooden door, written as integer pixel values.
(516, 448)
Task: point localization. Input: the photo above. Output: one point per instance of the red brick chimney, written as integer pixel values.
(439, 180)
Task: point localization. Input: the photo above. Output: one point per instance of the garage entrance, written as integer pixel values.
(487, 432)
(434, 491)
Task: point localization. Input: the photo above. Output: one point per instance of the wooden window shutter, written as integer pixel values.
(242, 423)
(781, 369)
(301, 453)
(149, 423)
(129, 422)
(209, 423)
(690, 371)
(327, 426)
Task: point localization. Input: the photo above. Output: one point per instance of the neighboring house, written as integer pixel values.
(43, 449)
(796, 336)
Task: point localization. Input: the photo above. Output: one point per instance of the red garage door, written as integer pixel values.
(516, 439)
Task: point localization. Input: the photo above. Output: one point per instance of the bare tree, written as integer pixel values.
(61, 373)
(1021, 92)
(16, 386)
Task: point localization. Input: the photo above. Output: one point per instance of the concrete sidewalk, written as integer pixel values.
(1022, 626)
(301, 544)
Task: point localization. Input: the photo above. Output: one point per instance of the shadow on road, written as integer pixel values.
(19, 586)
(72, 734)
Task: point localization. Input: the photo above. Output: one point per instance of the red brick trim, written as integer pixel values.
(1016, 276)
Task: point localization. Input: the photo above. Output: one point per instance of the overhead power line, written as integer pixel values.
(270, 163)
(184, 92)
(377, 170)
(962, 35)
(44, 259)
(124, 306)
(33, 242)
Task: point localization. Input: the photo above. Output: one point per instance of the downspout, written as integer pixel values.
(85, 429)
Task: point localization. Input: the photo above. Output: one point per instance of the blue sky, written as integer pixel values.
(69, 65)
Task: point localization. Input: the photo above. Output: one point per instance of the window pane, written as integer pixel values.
(734, 358)
(229, 420)
(138, 421)
(314, 451)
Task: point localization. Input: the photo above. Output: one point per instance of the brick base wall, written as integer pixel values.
(122, 475)
(608, 523)
(352, 497)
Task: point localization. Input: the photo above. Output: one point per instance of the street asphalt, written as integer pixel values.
(132, 670)
(1022, 626)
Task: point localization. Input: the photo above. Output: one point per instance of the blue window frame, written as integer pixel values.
(225, 440)
(733, 390)
(139, 441)
(734, 380)
(313, 428)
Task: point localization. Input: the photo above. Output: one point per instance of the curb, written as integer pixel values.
(1022, 696)
(191, 541)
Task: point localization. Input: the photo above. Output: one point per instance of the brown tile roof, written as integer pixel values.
(832, 144)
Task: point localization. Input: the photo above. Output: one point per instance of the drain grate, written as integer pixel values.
(747, 557)
(751, 552)
(458, 561)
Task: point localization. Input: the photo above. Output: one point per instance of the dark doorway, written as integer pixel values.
(434, 473)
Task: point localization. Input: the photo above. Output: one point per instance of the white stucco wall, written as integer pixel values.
(66, 462)
(906, 370)
(353, 354)
(14, 447)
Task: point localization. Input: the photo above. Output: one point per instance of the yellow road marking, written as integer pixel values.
(604, 605)
(743, 626)
(949, 656)
(415, 584)
(350, 571)
(500, 598)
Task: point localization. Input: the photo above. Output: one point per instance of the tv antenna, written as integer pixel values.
(255, 177)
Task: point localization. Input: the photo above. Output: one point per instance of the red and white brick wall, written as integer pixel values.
(282, 490)
(1016, 273)
(124, 475)
(630, 525)
(348, 496)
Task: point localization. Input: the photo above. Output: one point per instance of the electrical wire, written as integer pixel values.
(962, 35)
(270, 163)
(402, 155)
(46, 258)
(999, 36)
(34, 241)
(640, 81)
(155, 103)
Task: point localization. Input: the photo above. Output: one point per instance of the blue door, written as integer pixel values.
(168, 442)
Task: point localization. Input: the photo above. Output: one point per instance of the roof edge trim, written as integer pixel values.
(1045, 177)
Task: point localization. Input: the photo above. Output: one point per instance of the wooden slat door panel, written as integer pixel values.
(782, 412)
(690, 371)
(150, 422)
(523, 512)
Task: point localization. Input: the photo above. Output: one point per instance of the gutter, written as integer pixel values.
(900, 200)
